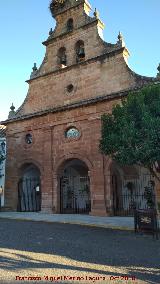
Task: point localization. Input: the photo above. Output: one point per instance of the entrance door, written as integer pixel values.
(29, 189)
(29, 195)
(75, 194)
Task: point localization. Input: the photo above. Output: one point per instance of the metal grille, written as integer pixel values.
(29, 195)
(74, 195)
(129, 194)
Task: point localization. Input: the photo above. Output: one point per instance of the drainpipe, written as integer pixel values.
(104, 182)
(53, 207)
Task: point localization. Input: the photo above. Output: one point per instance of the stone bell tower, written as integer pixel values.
(77, 38)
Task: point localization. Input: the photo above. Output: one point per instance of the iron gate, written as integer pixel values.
(75, 195)
(29, 195)
(131, 194)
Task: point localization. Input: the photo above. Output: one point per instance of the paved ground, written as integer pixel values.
(106, 222)
(123, 223)
(51, 250)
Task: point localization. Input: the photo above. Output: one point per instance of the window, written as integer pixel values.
(28, 138)
(70, 25)
(70, 88)
(80, 51)
(72, 133)
(62, 58)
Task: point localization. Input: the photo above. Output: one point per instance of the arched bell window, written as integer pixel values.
(62, 58)
(80, 51)
(70, 25)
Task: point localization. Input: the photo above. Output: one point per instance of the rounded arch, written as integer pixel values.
(125, 183)
(74, 186)
(110, 166)
(29, 187)
(70, 25)
(80, 51)
(29, 169)
(62, 57)
(71, 156)
(24, 163)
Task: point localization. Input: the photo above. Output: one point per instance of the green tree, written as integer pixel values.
(131, 133)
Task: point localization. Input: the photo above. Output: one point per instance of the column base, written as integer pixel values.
(99, 213)
(47, 210)
(7, 209)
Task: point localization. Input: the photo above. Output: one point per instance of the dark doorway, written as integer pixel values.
(75, 188)
(29, 190)
(130, 193)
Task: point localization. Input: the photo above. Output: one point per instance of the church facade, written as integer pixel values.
(53, 159)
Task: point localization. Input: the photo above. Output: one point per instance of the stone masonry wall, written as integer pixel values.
(89, 81)
(50, 149)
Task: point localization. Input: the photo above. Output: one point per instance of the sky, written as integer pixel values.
(24, 25)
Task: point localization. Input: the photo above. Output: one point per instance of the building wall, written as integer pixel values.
(89, 80)
(103, 72)
(50, 149)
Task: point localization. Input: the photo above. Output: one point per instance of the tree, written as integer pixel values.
(131, 133)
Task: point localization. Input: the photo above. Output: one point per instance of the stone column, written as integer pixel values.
(97, 190)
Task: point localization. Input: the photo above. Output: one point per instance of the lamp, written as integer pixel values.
(37, 188)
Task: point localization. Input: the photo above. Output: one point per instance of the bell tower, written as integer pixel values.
(59, 6)
(70, 14)
(76, 37)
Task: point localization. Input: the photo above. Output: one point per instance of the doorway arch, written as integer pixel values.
(29, 189)
(74, 187)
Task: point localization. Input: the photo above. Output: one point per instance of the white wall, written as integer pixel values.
(2, 169)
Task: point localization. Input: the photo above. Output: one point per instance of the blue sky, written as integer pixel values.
(24, 24)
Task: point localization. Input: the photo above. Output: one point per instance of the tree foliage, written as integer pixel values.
(131, 133)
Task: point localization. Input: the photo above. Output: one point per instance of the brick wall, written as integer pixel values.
(50, 149)
(98, 75)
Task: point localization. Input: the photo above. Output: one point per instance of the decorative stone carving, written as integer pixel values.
(120, 40)
(34, 72)
(96, 14)
(12, 112)
(158, 68)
